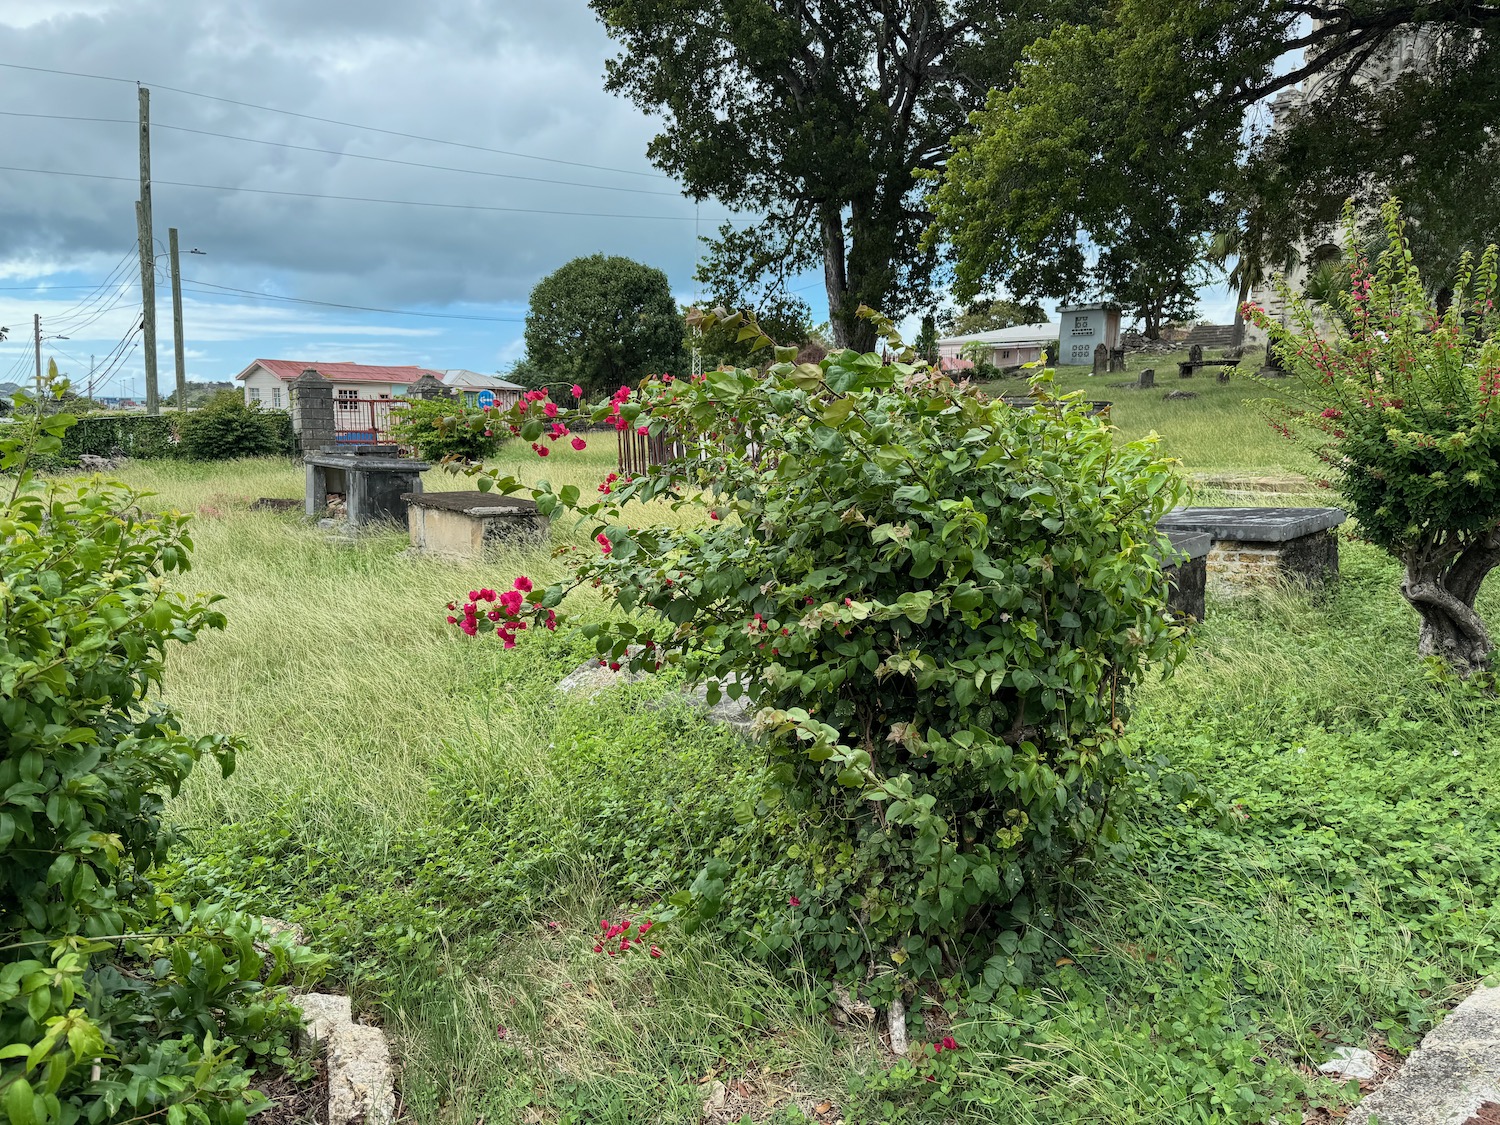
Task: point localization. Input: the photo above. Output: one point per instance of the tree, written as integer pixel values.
(986, 314)
(1403, 406)
(816, 115)
(1063, 188)
(602, 322)
(198, 394)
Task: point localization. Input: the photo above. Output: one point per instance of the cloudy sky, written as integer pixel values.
(522, 76)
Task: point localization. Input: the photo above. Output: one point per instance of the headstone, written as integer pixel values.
(312, 411)
(1148, 378)
(1101, 359)
(1117, 360)
(1195, 353)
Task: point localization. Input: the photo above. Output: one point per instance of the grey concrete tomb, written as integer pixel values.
(1253, 546)
(372, 480)
(1186, 568)
(471, 524)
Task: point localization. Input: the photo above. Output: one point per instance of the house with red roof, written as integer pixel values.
(265, 381)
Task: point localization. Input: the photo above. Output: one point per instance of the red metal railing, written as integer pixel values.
(362, 420)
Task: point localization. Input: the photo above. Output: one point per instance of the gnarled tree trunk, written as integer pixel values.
(1442, 587)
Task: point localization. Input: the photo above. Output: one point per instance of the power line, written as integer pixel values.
(356, 308)
(342, 153)
(343, 124)
(352, 198)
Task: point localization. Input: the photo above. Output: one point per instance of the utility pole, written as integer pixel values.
(91, 376)
(36, 333)
(148, 253)
(177, 321)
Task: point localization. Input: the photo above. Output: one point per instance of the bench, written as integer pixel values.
(1255, 546)
(471, 524)
(1186, 367)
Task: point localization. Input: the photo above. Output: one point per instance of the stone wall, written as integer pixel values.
(312, 411)
(1308, 560)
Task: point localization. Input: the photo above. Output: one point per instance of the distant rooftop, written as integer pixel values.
(473, 381)
(341, 372)
(1015, 334)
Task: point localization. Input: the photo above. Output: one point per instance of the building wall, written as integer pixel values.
(1001, 355)
(273, 394)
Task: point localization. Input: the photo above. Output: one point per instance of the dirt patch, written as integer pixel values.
(1487, 1114)
(276, 504)
(294, 1103)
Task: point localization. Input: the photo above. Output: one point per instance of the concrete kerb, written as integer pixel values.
(1449, 1077)
(361, 1081)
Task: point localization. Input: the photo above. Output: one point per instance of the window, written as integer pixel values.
(275, 398)
(1005, 354)
(254, 394)
(348, 398)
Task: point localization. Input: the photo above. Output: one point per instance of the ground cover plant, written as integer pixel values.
(438, 429)
(117, 1003)
(1306, 852)
(1401, 405)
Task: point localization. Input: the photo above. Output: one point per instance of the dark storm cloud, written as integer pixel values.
(508, 74)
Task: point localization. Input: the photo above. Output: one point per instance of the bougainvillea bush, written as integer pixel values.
(938, 602)
(1403, 407)
(116, 1002)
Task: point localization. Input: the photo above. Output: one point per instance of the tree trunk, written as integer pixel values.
(835, 273)
(1443, 595)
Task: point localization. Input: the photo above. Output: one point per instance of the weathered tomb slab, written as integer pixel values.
(471, 524)
(1186, 567)
(1254, 546)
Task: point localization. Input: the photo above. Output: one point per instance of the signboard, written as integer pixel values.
(486, 399)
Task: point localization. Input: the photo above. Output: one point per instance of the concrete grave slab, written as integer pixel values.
(471, 524)
(1254, 546)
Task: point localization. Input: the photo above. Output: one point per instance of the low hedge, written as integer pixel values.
(153, 437)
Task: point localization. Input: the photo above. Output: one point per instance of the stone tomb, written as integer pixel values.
(373, 481)
(1254, 546)
(471, 524)
(1186, 568)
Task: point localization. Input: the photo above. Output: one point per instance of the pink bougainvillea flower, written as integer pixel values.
(643, 430)
(604, 544)
(523, 584)
(501, 1031)
(794, 901)
(655, 952)
(542, 451)
(511, 601)
(579, 444)
(551, 622)
(452, 620)
(577, 391)
(550, 410)
(713, 515)
(613, 667)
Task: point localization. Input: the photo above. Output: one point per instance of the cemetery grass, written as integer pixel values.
(1308, 856)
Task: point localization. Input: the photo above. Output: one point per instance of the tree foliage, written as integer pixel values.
(815, 115)
(1404, 405)
(602, 321)
(444, 428)
(986, 314)
(939, 601)
(1070, 184)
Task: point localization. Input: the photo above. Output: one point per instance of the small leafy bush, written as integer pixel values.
(143, 436)
(439, 429)
(939, 602)
(1404, 406)
(229, 427)
(116, 1003)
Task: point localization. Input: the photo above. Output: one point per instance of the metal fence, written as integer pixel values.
(362, 420)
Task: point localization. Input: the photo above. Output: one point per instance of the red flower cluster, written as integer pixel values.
(946, 1043)
(617, 400)
(621, 930)
(508, 614)
(604, 544)
(606, 486)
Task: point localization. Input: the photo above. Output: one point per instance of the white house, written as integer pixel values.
(1085, 327)
(1001, 347)
(471, 383)
(266, 381)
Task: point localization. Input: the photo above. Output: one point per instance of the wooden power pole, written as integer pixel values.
(177, 320)
(36, 335)
(148, 253)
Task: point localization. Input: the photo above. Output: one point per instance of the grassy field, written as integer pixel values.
(1309, 853)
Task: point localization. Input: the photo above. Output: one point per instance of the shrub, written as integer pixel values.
(940, 602)
(228, 427)
(442, 428)
(1402, 406)
(144, 436)
(116, 1002)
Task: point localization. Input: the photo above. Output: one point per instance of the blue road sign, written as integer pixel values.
(486, 399)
